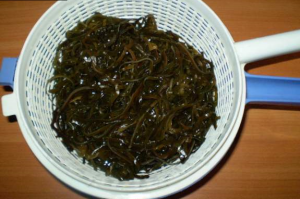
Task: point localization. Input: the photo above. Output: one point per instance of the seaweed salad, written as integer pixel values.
(129, 98)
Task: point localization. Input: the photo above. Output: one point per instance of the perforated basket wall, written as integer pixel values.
(177, 16)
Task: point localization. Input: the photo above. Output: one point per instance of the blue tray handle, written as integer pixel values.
(275, 90)
(7, 72)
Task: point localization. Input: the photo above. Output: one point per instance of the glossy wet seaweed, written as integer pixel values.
(130, 98)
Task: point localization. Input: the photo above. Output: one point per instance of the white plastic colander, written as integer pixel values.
(199, 26)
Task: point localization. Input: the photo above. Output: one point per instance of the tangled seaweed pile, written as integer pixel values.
(130, 98)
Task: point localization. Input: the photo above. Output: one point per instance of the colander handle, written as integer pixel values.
(268, 89)
(269, 46)
(7, 74)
